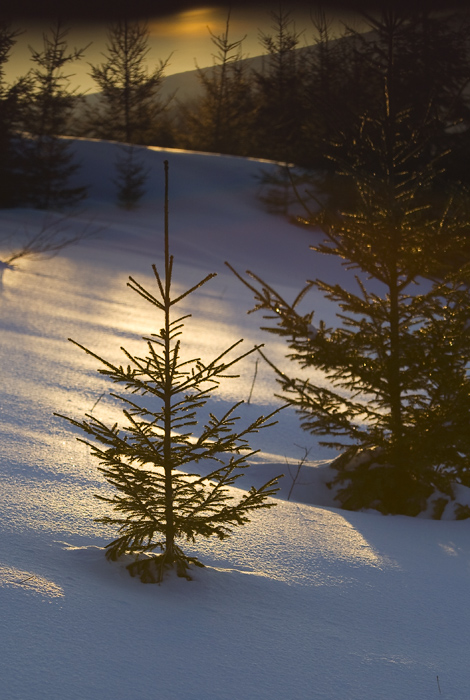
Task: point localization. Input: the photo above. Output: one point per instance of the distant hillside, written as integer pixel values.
(187, 85)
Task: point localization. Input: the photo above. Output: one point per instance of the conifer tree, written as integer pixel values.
(130, 179)
(12, 99)
(439, 48)
(7, 41)
(279, 103)
(336, 86)
(221, 119)
(398, 400)
(47, 160)
(129, 106)
(157, 502)
(345, 82)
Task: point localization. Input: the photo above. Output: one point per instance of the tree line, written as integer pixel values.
(302, 107)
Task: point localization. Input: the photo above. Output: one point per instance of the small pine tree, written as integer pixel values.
(145, 460)
(130, 179)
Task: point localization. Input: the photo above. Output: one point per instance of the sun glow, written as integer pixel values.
(191, 23)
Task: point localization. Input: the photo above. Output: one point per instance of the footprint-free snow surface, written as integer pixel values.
(305, 602)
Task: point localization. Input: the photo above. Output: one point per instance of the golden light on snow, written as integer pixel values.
(301, 545)
(31, 582)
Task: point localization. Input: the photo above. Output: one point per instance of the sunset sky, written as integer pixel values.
(183, 35)
(177, 27)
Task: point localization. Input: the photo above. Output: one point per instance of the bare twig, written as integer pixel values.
(254, 380)
(50, 239)
(97, 402)
(297, 473)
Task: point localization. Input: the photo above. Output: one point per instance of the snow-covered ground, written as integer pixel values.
(307, 601)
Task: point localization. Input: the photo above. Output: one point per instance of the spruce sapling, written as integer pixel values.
(396, 402)
(149, 458)
(130, 178)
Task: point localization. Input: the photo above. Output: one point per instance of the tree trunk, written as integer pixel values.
(167, 462)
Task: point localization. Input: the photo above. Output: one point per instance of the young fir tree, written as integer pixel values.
(47, 160)
(150, 458)
(130, 179)
(398, 400)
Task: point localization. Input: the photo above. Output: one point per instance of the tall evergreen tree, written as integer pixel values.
(398, 403)
(424, 61)
(12, 100)
(319, 88)
(146, 459)
(48, 161)
(279, 91)
(129, 104)
(221, 119)
(440, 54)
(336, 88)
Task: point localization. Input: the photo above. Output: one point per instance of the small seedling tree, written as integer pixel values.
(130, 179)
(149, 459)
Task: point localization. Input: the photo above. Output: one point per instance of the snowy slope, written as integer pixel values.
(305, 602)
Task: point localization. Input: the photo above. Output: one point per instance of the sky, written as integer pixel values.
(182, 37)
(179, 30)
